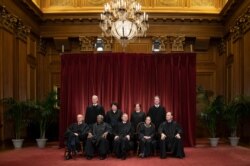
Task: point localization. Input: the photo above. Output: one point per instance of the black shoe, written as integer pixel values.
(103, 157)
(163, 157)
(89, 157)
(141, 155)
(123, 157)
(68, 157)
(74, 153)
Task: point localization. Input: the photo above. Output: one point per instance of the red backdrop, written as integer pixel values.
(128, 79)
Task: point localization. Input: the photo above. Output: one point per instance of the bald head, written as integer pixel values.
(79, 118)
(94, 99)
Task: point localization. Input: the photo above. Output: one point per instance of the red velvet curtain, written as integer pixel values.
(128, 79)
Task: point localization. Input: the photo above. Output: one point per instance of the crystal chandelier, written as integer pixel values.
(124, 20)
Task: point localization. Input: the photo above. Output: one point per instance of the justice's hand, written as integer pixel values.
(163, 136)
(178, 136)
(147, 137)
(90, 135)
(105, 135)
(76, 134)
(128, 137)
(116, 137)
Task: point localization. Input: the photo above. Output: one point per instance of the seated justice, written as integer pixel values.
(100, 134)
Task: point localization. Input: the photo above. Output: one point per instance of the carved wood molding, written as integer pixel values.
(86, 43)
(229, 60)
(174, 43)
(32, 60)
(241, 25)
(41, 45)
(107, 43)
(222, 48)
(178, 43)
(154, 18)
(13, 23)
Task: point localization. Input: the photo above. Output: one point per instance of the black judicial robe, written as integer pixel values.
(146, 131)
(92, 112)
(81, 129)
(122, 144)
(172, 144)
(146, 146)
(97, 142)
(123, 129)
(99, 129)
(113, 118)
(136, 118)
(73, 140)
(157, 115)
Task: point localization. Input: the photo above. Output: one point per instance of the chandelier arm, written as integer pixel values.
(124, 20)
(123, 31)
(131, 28)
(117, 32)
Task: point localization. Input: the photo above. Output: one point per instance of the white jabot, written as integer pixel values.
(94, 104)
(158, 105)
(169, 121)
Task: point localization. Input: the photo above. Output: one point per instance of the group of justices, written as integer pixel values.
(113, 132)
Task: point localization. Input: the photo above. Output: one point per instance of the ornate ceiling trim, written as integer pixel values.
(96, 6)
(157, 14)
(230, 5)
(93, 18)
(13, 23)
(31, 8)
(81, 10)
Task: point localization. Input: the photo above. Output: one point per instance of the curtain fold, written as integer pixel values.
(128, 79)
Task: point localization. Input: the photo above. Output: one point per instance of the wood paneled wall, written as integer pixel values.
(237, 53)
(238, 57)
(18, 64)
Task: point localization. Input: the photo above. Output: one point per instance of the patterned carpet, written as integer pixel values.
(199, 156)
